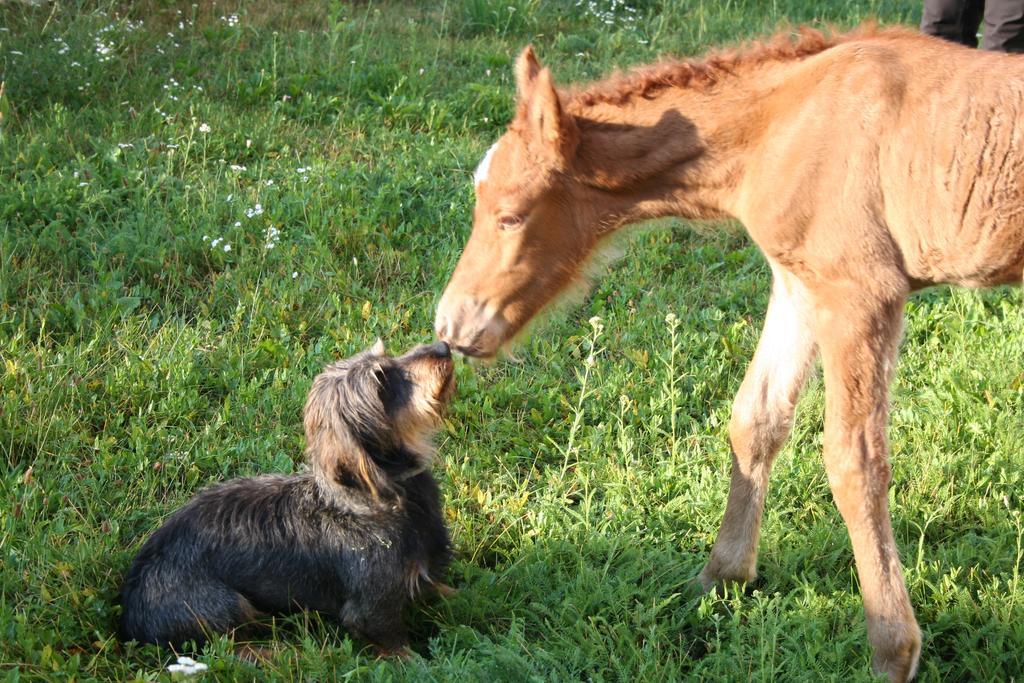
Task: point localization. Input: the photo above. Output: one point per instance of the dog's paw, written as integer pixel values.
(401, 653)
(254, 654)
(445, 591)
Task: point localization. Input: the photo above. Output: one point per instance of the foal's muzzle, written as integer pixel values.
(470, 326)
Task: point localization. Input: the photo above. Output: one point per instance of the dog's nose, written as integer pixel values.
(441, 349)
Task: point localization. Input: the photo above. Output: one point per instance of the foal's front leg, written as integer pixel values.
(858, 349)
(762, 416)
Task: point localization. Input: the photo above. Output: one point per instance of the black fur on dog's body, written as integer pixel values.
(356, 537)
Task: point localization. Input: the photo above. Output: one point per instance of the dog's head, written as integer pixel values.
(369, 418)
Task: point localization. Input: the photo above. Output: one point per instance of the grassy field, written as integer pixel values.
(200, 207)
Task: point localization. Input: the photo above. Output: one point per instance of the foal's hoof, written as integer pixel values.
(898, 658)
(711, 580)
(707, 582)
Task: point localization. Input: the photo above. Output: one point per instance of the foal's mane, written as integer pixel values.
(787, 45)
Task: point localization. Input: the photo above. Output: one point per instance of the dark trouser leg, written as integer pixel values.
(954, 20)
(1004, 25)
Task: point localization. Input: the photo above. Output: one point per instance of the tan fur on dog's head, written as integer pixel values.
(368, 418)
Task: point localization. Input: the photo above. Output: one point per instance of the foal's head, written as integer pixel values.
(534, 225)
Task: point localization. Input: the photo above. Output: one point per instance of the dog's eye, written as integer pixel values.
(510, 221)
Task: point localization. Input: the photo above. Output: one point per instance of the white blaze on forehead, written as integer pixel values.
(480, 175)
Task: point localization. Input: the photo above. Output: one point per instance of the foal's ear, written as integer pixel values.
(527, 68)
(550, 128)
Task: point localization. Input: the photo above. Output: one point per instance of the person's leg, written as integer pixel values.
(1004, 26)
(953, 20)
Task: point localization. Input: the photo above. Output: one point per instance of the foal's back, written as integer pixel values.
(912, 147)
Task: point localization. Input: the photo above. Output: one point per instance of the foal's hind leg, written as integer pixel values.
(762, 416)
(858, 348)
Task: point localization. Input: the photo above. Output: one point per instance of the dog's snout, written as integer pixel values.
(437, 351)
(441, 350)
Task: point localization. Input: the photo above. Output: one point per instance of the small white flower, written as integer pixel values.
(271, 237)
(103, 50)
(671, 318)
(238, 224)
(422, 71)
(204, 128)
(125, 145)
(206, 237)
(269, 182)
(187, 666)
(302, 169)
(236, 168)
(229, 197)
(488, 72)
(295, 274)
(227, 248)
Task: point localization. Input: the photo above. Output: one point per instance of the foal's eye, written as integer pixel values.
(510, 222)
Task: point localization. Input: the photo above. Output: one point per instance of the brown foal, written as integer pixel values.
(865, 166)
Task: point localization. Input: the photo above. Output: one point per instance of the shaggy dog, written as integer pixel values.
(355, 537)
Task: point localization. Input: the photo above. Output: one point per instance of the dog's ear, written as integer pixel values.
(378, 348)
(336, 454)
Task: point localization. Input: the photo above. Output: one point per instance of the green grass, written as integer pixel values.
(139, 364)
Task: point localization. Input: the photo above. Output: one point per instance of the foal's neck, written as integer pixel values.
(680, 153)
